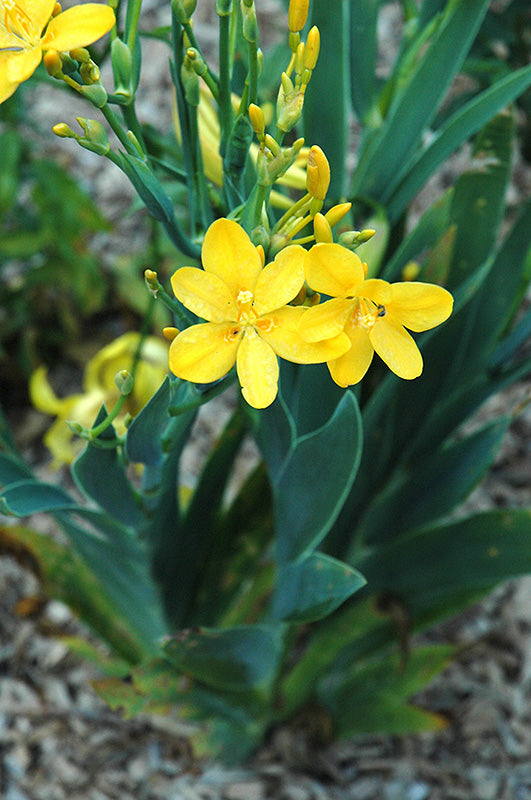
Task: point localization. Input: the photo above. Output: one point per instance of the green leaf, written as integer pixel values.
(26, 497)
(274, 432)
(100, 475)
(143, 443)
(374, 699)
(12, 469)
(313, 587)
(148, 188)
(233, 659)
(327, 110)
(461, 125)
(307, 499)
(427, 488)
(363, 54)
(437, 571)
(416, 103)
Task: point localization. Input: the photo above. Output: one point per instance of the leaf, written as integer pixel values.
(463, 124)
(374, 699)
(427, 488)
(274, 432)
(26, 497)
(307, 499)
(143, 443)
(363, 54)
(416, 103)
(100, 475)
(326, 110)
(233, 659)
(313, 587)
(12, 469)
(438, 570)
(67, 578)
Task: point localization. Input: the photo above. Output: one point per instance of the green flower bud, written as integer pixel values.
(95, 93)
(122, 68)
(95, 135)
(124, 381)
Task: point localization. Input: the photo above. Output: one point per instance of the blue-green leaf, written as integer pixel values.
(313, 587)
(316, 477)
(26, 497)
(12, 469)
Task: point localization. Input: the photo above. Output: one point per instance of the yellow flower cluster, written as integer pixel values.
(249, 319)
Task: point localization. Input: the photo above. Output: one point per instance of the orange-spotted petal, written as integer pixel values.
(280, 281)
(206, 352)
(420, 306)
(205, 294)
(333, 270)
(350, 368)
(325, 320)
(258, 371)
(229, 253)
(78, 26)
(397, 348)
(285, 339)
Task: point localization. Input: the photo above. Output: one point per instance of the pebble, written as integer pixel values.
(486, 783)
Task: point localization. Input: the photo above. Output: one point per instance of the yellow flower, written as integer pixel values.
(99, 387)
(249, 319)
(27, 29)
(374, 314)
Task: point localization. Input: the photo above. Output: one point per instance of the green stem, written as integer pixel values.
(112, 119)
(211, 80)
(225, 107)
(253, 73)
(200, 187)
(131, 23)
(129, 115)
(109, 419)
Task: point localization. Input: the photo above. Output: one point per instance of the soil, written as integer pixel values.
(58, 740)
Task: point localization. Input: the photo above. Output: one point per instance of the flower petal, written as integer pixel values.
(258, 371)
(420, 306)
(16, 67)
(350, 368)
(229, 253)
(333, 270)
(377, 290)
(280, 281)
(23, 21)
(205, 294)
(286, 340)
(204, 353)
(397, 348)
(325, 320)
(78, 26)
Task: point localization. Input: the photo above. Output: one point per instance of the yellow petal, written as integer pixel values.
(325, 320)
(280, 281)
(377, 290)
(229, 253)
(16, 67)
(286, 340)
(397, 348)
(205, 294)
(258, 371)
(7, 87)
(204, 353)
(41, 393)
(78, 26)
(333, 270)
(350, 368)
(420, 306)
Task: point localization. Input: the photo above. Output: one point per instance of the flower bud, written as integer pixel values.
(317, 173)
(64, 131)
(169, 332)
(52, 63)
(124, 381)
(95, 93)
(95, 134)
(250, 23)
(152, 281)
(322, 229)
(297, 14)
(80, 54)
(410, 271)
(336, 213)
(311, 49)
(256, 115)
(122, 68)
(90, 73)
(183, 10)
(223, 7)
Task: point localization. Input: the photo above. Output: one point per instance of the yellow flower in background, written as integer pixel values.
(249, 322)
(30, 27)
(209, 137)
(99, 387)
(374, 314)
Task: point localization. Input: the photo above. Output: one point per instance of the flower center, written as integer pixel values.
(17, 24)
(246, 313)
(367, 313)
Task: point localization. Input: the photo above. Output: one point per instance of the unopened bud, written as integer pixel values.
(52, 63)
(63, 130)
(95, 136)
(223, 7)
(80, 54)
(256, 115)
(297, 14)
(250, 23)
(122, 68)
(183, 10)
(410, 271)
(90, 73)
(272, 145)
(95, 93)
(317, 173)
(56, 9)
(299, 58)
(321, 228)
(336, 213)
(75, 427)
(124, 381)
(152, 281)
(311, 50)
(169, 332)
(190, 82)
